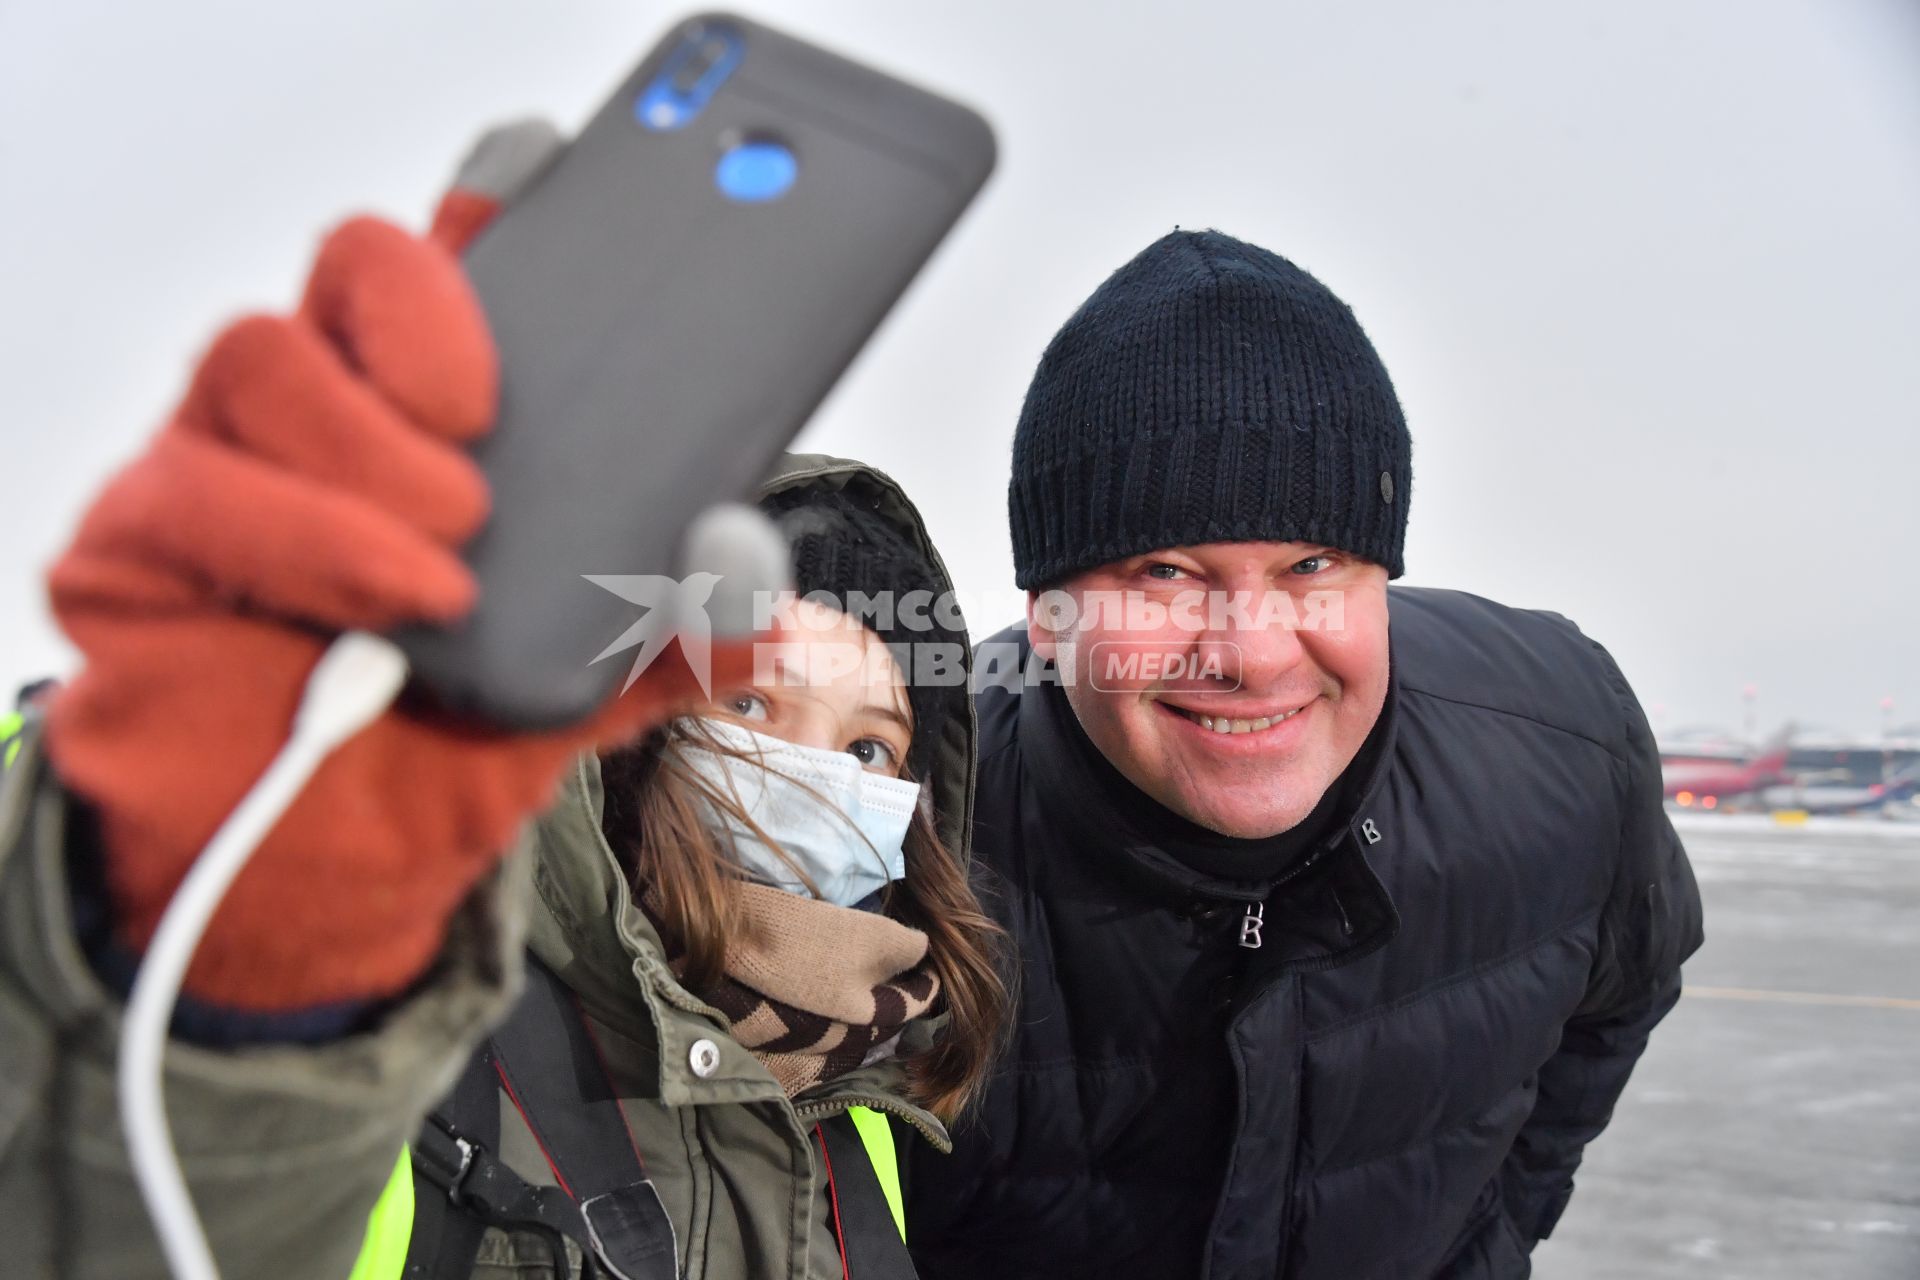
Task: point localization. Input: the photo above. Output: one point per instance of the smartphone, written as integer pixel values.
(672, 299)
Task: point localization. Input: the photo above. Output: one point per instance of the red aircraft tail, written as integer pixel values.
(1772, 760)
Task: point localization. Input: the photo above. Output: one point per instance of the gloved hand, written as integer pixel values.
(312, 481)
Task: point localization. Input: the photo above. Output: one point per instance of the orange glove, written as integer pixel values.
(312, 482)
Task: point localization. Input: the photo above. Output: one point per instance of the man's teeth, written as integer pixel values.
(1221, 724)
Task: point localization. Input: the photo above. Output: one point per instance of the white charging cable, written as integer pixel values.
(356, 679)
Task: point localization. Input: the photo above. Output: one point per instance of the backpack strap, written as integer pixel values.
(604, 1202)
(552, 1069)
(461, 1188)
(871, 1244)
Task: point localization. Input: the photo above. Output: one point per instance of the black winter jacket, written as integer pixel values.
(1450, 992)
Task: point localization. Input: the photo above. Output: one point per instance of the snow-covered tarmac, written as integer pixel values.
(1772, 1132)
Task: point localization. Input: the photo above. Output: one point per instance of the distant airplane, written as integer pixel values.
(1845, 799)
(1701, 744)
(1707, 784)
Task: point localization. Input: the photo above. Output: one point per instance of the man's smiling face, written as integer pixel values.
(1252, 694)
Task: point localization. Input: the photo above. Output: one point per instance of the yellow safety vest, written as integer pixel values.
(10, 736)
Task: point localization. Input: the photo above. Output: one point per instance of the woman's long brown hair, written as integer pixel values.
(655, 821)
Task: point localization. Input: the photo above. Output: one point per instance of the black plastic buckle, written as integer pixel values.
(448, 1159)
(467, 1150)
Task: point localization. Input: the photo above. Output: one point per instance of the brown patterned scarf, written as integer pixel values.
(815, 990)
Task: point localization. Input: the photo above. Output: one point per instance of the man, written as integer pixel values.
(1343, 912)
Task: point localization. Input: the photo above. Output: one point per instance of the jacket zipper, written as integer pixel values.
(825, 1108)
(1253, 920)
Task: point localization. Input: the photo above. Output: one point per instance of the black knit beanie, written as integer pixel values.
(841, 544)
(1209, 391)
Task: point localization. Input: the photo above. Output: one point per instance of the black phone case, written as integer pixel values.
(660, 343)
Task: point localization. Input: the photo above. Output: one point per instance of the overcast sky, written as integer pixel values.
(1647, 275)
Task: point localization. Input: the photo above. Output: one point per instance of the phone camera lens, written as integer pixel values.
(687, 79)
(698, 66)
(704, 55)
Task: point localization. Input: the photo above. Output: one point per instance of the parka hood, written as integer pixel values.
(952, 772)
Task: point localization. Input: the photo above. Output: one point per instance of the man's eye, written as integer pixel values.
(1166, 572)
(748, 706)
(874, 754)
(1312, 565)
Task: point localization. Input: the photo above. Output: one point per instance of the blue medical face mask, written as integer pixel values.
(845, 827)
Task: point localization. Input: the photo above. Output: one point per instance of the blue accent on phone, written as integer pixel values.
(756, 172)
(699, 65)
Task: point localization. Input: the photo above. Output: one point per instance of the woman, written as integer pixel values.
(721, 966)
(791, 929)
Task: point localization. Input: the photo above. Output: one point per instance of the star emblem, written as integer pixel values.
(674, 607)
